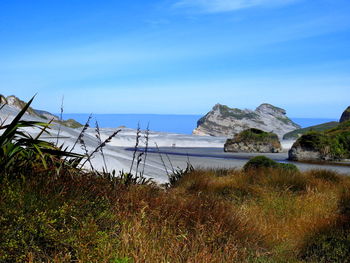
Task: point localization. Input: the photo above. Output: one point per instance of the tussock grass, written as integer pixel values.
(266, 216)
(287, 208)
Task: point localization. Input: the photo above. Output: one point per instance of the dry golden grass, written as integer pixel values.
(208, 216)
(284, 207)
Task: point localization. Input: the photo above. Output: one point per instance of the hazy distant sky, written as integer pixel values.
(177, 56)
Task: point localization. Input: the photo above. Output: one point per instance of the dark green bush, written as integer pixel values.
(256, 135)
(260, 162)
(288, 167)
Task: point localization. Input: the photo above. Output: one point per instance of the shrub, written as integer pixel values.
(260, 162)
(288, 167)
(256, 135)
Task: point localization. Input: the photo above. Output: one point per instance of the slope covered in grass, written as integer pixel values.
(319, 128)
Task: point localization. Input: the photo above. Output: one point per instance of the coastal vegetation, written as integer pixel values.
(330, 145)
(256, 135)
(318, 128)
(51, 210)
(262, 162)
(253, 140)
(236, 113)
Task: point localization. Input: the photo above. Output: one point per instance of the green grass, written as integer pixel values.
(71, 123)
(227, 112)
(256, 135)
(285, 120)
(319, 128)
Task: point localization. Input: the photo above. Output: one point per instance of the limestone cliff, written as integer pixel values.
(225, 121)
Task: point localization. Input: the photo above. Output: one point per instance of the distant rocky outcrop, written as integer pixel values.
(331, 145)
(345, 116)
(320, 128)
(18, 104)
(227, 122)
(253, 141)
(47, 115)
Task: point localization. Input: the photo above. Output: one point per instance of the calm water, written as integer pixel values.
(166, 123)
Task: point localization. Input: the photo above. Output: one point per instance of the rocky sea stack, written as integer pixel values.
(254, 141)
(227, 122)
(331, 145)
(346, 115)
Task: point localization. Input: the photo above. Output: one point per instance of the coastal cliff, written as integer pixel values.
(225, 121)
(17, 104)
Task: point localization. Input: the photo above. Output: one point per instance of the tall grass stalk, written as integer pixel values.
(146, 149)
(137, 141)
(98, 136)
(162, 160)
(82, 132)
(60, 122)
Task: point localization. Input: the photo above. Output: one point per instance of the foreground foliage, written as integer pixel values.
(264, 215)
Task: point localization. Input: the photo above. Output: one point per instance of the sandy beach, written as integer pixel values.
(176, 150)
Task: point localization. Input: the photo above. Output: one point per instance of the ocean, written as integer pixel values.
(183, 124)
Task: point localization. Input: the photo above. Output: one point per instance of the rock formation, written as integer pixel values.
(346, 115)
(331, 145)
(227, 122)
(253, 141)
(18, 104)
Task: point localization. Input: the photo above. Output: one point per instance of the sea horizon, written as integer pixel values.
(171, 123)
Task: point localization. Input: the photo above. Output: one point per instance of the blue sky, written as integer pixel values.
(177, 56)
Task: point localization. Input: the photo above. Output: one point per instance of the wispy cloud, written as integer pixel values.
(216, 6)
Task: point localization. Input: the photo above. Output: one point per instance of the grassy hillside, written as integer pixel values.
(319, 128)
